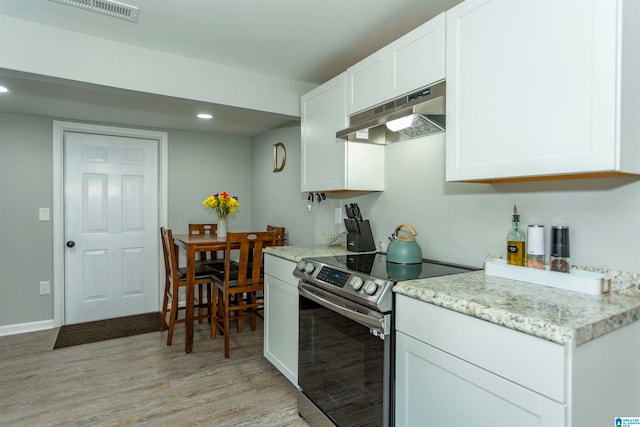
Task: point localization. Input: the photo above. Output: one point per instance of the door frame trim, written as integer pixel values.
(59, 127)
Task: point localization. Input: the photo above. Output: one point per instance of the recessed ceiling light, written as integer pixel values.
(3, 89)
(205, 116)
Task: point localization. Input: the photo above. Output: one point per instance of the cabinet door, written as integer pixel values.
(323, 155)
(365, 166)
(329, 163)
(436, 388)
(281, 316)
(531, 88)
(417, 59)
(281, 326)
(366, 83)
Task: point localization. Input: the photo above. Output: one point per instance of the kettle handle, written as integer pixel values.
(408, 227)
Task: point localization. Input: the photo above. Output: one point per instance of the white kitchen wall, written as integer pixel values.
(464, 222)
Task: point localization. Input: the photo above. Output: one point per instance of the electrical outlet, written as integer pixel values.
(45, 288)
(43, 214)
(338, 216)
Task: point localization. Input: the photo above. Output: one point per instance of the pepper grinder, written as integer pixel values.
(559, 260)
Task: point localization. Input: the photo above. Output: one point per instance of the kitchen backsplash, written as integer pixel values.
(465, 222)
(459, 222)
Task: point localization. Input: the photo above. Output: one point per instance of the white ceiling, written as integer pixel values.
(304, 40)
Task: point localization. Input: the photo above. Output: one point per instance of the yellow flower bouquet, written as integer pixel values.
(222, 203)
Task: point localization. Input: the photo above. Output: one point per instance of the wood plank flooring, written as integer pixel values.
(140, 380)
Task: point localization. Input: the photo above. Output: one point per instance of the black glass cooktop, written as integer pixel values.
(376, 265)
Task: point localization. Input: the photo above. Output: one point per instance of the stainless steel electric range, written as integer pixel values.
(345, 345)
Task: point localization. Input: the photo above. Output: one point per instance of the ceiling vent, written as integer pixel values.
(106, 7)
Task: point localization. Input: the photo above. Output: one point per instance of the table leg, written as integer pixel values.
(191, 275)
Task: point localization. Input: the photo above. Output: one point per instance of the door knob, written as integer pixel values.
(71, 244)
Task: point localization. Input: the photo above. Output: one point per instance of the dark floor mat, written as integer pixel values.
(100, 330)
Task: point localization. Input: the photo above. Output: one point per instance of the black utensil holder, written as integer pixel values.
(359, 239)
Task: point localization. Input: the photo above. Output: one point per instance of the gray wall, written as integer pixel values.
(456, 222)
(202, 164)
(277, 199)
(199, 165)
(26, 168)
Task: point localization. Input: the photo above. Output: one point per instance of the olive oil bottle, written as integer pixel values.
(515, 241)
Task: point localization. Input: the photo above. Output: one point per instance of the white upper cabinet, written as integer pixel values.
(415, 60)
(366, 82)
(542, 88)
(328, 163)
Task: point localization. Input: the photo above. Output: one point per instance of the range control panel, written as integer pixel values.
(333, 276)
(358, 287)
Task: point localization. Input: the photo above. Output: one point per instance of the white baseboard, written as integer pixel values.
(26, 327)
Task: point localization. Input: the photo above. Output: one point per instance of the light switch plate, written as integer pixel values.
(45, 288)
(43, 214)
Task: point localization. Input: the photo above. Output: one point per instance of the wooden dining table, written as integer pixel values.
(193, 243)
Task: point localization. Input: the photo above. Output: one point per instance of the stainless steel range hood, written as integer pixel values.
(417, 114)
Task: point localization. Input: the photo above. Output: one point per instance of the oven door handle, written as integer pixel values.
(371, 319)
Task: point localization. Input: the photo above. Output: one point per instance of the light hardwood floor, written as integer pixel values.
(140, 380)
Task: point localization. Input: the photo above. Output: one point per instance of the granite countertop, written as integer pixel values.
(296, 253)
(553, 314)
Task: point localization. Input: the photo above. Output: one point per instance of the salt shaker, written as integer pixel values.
(535, 246)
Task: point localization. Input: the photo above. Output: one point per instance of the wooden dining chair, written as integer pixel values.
(279, 234)
(237, 288)
(206, 259)
(176, 278)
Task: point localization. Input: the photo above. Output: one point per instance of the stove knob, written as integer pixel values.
(356, 283)
(309, 268)
(370, 287)
(301, 265)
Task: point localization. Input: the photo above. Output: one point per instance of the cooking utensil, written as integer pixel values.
(403, 248)
(349, 211)
(356, 211)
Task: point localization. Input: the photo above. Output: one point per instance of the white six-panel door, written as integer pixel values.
(111, 216)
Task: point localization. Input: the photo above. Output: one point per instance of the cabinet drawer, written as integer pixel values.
(435, 388)
(524, 359)
(280, 268)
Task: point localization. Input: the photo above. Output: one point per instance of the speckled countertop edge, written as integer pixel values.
(553, 314)
(296, 253)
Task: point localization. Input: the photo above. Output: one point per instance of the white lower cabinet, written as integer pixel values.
(452, 369)
(436, 388)
(281, 316)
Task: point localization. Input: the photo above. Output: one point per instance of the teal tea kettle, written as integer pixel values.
(403, 248)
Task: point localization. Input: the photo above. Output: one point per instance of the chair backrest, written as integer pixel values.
(250, 246)
(164, 250)
(204, 229)
(170, 258)
(279, 234)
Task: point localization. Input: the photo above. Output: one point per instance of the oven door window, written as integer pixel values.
(340, 366)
